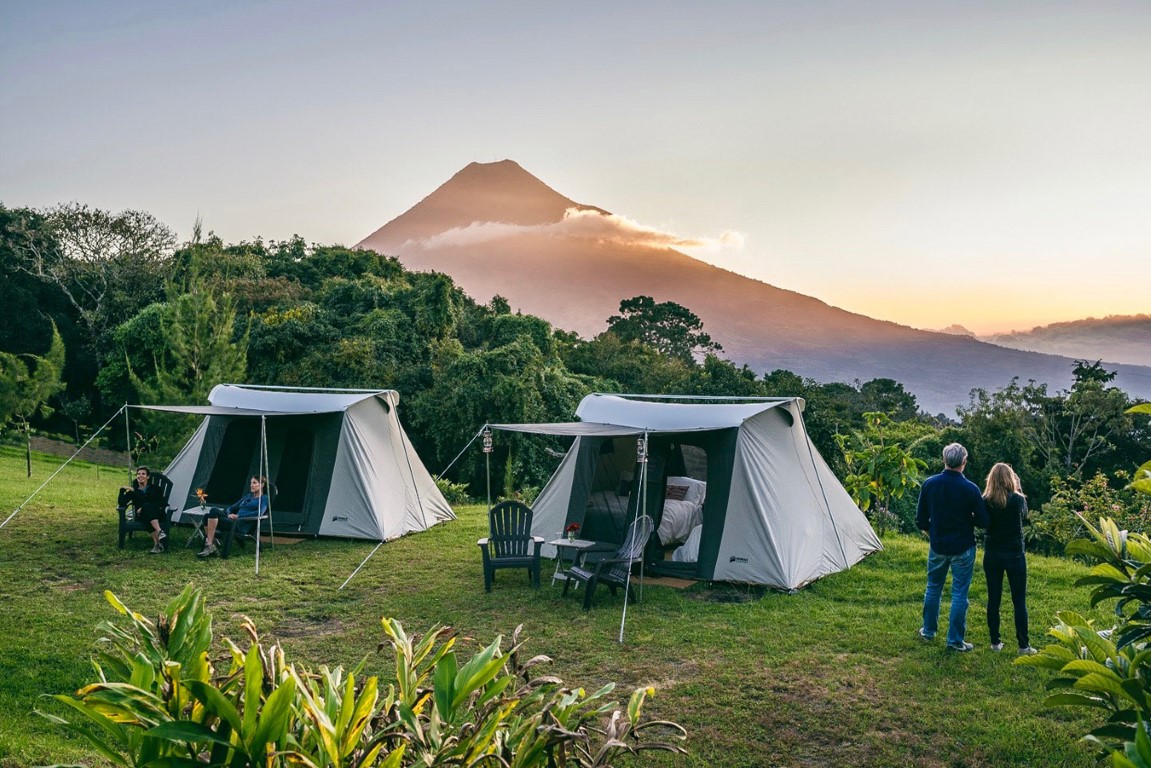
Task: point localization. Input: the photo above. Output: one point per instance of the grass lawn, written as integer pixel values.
(833, 675)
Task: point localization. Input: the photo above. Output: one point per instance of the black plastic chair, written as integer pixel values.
(128, 527)
(614, 569)
(510, 543)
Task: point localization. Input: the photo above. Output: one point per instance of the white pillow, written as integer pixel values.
(696, 489)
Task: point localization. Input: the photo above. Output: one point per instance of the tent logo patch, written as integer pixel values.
(734, 559)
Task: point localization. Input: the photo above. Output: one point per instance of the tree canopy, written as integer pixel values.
(86, 292)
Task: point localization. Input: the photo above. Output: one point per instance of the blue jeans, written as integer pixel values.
(962, 566)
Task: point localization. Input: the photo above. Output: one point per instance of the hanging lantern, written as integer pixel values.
(487, 440)
(641, 450)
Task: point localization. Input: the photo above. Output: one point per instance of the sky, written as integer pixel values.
(980, 164)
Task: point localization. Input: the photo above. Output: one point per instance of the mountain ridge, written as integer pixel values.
(496, 229)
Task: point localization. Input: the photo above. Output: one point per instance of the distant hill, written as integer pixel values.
(1114, 339)
(496, 229)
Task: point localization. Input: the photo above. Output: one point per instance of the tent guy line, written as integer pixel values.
(68, 461)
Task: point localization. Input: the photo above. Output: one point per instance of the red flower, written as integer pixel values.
(572, 528)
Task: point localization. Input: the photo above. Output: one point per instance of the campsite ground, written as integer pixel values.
(832, 675)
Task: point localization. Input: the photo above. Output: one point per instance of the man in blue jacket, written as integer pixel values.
(950, 506)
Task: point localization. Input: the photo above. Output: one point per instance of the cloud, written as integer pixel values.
(586, 224)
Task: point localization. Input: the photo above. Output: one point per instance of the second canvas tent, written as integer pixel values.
(737, 490)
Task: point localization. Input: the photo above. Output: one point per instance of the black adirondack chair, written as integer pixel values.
(128, 527)
(510, 543)
(612, 570)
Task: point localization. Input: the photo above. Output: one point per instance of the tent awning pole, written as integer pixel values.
(267, 490)
(641, 456)
(127, 436)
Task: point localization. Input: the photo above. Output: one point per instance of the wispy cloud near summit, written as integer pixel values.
(584, 224)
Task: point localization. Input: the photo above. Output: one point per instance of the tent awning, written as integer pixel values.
(571, 429)
(595, 429)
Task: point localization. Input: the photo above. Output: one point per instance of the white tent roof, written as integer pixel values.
(281, 402)
(249, 400)
(664, 416)
(620, 415)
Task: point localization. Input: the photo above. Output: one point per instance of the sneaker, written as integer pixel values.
(207, 551)
(924, 636)
(997, 646)
(960, 647)
(156, 550)
(163, 535)
(1028, 651)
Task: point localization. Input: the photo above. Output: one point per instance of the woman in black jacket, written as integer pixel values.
(1004, 553)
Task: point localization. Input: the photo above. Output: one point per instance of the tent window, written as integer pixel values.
(694, 462)
(236, 461)
(295, 470)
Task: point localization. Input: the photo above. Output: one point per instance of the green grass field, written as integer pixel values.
(833, 675)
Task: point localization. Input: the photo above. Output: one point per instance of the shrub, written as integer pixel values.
(159, 700)
(1060, 520)
(454, 493)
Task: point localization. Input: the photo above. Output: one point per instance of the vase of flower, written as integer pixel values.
(572, 530)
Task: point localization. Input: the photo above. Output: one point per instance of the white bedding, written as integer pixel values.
(679, 517)
(689, 552)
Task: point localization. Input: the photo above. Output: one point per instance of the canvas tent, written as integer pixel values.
(772, 512)
(339, 461)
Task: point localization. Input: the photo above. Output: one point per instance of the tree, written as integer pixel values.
(76, 410)
(625, 366)
(671, 328)
(889, 396)
(1074, 429)
(1000, 426)
(721, 377)
(880, 469)
(107, 265)
(197, 352)
(26, 384)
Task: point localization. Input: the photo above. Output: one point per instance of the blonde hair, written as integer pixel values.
(1001, 483)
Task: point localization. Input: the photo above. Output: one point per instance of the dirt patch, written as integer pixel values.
(65, 450)
(728, 593)
(309, 627)
(63, 584)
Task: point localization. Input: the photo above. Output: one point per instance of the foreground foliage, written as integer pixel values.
(1109, 668)
(159, 700)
